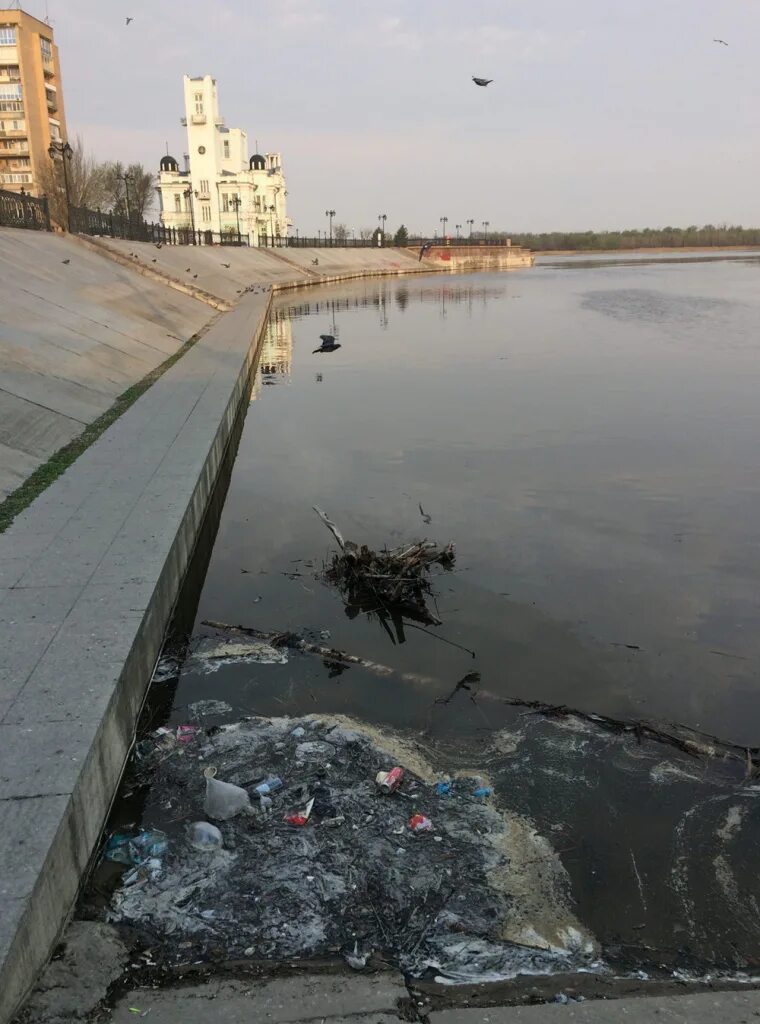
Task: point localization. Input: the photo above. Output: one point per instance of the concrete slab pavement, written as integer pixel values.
(96, 564)
(710, 1008)
(340, 999)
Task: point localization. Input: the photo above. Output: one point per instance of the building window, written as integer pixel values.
(206, 213)
(199, 103)
(46, 48)
(10, 98)
(55, 132)
(203, 185)
(178, 203)
(226, 149)
(225, 202)
(7, 35)
(257, 203)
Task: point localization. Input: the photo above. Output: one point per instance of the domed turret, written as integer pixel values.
(257, 162)
(168, 163)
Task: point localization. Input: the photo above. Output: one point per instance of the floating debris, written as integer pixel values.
(392, 583)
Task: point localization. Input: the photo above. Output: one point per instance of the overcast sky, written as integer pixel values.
(602, 113)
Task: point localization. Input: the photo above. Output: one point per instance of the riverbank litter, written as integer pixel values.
(318, 859)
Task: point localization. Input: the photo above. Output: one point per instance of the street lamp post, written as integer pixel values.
(126, 178)
(458, 227)
(64, 150)
(188, 194)
(382, 219)
(470, 221)
(444, 221)
(486, 225)
(330, 214)
(271, 223)
(237, 202)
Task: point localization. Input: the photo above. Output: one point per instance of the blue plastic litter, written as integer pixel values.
(443, 788)
(136, 850)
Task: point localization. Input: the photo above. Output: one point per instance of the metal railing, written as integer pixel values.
(113, 225)
(18, 210)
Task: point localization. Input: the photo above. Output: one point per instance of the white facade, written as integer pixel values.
(220, 189)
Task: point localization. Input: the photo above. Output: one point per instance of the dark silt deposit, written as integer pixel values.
(587, 442)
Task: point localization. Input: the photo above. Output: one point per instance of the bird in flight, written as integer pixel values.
(722, 42)
(329, 344)
(66, 262)
(226, 266)
(427, 519)
(130, 20)
(315, 261)
(483, 82)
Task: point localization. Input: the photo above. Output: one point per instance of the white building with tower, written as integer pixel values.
(220, 189)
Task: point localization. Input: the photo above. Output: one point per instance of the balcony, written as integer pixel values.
(13, 134)
(198, 119)
(13, 153)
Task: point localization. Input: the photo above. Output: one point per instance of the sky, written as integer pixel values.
(602, 114)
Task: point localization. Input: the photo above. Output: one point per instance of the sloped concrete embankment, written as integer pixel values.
(76, 331)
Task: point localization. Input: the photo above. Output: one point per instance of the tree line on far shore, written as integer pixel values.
(637, 238)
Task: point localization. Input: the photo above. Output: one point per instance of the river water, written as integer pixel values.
(588, 439)
(586, 433)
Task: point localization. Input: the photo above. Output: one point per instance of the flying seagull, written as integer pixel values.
(226, 266)
(482, 81)
(315, 261)
(66, 262)
(327, 339)
(426, 518)
(721, 41)
(130, 20)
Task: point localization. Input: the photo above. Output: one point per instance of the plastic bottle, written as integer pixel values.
(223, 799)
(268, 786)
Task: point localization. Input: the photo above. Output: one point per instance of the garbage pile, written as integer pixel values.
(282, 838)
(389, 583)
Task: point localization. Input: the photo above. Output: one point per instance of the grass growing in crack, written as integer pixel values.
(59, 462)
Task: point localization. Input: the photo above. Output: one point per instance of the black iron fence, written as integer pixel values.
(350, 242)
(113, 225)
(18, 210)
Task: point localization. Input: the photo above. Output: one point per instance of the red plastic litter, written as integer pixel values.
(419, 823)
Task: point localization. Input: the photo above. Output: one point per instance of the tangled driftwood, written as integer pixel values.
(393, 584)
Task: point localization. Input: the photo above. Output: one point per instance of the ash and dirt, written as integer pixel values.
(481, 898)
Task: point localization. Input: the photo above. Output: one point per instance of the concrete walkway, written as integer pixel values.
(88, 578)
(73, 337)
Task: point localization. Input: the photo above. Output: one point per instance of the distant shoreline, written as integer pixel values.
(645, 249)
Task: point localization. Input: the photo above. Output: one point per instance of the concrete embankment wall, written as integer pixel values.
(73, 336)
(477, 257)
(90, 572)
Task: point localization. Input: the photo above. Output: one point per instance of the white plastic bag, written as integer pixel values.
(223, 800)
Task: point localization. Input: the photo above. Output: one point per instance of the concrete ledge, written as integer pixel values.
(89, 577)
(710, 1008)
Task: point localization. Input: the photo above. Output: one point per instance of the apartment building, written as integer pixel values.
(31, 100)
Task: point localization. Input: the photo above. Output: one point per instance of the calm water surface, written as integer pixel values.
(587, 436)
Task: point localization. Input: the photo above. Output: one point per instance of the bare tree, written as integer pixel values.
(366, 233)
(129, 190)
(340, 231)
(86, 182)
